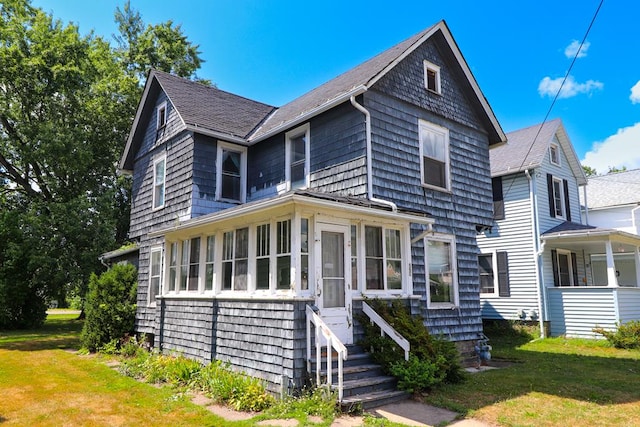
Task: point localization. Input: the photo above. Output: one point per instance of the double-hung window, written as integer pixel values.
(565, 267)
(441, 270)
(159, 178)
(283, 255)
(231, 173)
(190, 265)
(383, 260)
(297, 157)
(155, 274)
(263, 260)
(494, 274)
(235, 259)
(434, 155)
(173, 267)
(209, 263)
(432, 77)
(559, 202)
(554, 154)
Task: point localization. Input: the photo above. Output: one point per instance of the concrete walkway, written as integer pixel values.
(412, 413)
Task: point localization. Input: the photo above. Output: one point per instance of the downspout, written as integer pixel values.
(538, 250)
(367, 122)
(586, 205)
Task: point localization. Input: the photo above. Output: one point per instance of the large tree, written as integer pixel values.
(66, 104)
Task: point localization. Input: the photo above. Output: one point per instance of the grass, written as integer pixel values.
(550, 382)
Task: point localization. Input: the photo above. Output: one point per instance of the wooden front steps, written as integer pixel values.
(365, 386)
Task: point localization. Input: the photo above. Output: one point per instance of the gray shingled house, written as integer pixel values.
(258, 226)
(544, 261)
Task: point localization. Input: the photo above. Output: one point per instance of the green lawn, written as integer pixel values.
(551, 382)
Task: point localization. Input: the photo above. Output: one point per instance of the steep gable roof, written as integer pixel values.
(527, 148)
(221, 114)
(357, 80)
(614, 189)
(202, 109)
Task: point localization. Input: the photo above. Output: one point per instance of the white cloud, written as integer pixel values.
(571, 50)
(617, 151)
(549, 87)
(635, 93)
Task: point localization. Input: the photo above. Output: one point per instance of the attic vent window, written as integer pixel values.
(432, 77)
(162, 115)
(554, 154)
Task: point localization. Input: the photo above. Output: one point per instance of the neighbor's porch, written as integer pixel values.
(591, 279)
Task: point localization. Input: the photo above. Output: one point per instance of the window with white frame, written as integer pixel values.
(354, 256)
(441, 271)
(494, 274)
(172, 284)
(565, 268)
(159, 178)
(235, 259)
(383, 260)
(209, 263)
(283, 254)
(432, 77)
(155, 274)
(304, 254)
(161, 116)
(297, 157)
(554, 154)
(190, 265)
(231, 173)
(263, 260)
(558, 197)
(434, 155)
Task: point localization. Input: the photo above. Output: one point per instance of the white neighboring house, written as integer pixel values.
(542, 260)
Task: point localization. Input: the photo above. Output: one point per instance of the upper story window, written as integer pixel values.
(434, 155)
(559, 201)
(383, 258)
(441, 270)
(161, 116)
(159, 177)
(297, 157)
(554, 154)
(432, 77)
(498, 198)
(231, 172)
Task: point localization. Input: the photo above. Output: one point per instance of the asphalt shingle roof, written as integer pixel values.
(525, 149)
(614, 189)
(212, 108)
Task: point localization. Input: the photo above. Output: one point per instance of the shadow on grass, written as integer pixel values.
(54, 334)
(582, 370)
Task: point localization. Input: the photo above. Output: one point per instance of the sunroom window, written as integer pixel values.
(235, 259)
(383, 259)
(155, 274)
(263, 261)
(283, 254)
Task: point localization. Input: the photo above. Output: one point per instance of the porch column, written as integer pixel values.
(637, 257)
(612, 279)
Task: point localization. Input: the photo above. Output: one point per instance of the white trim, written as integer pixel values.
(159, 159)
(225, 146)
(567, 253)
(494, 267)
(446, 238)
(299, 131)
(563, 206)
(428, 66)
(425, 126)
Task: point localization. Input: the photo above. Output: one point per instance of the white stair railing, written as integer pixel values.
(333, 343)
(386, 328)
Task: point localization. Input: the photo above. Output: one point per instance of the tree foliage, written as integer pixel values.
(67, 102)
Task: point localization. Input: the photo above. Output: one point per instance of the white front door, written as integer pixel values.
(333, 287)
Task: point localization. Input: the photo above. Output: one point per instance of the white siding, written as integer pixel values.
(574, 312)
(514, 235)
(629, 304)
(619, 218)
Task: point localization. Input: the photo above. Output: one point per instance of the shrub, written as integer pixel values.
(110, 306)
(432, 361)
(627, 335)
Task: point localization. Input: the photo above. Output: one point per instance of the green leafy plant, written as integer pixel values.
(627, 335)
(111, 306)
(433, 360)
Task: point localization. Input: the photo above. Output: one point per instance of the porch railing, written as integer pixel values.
(333, 343)
(386, 328)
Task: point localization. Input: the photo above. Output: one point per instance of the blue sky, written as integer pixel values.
(273, 51)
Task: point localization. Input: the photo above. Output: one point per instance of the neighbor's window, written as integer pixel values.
(565, 268)
(297, 158)
(232, 172)
(432, 77)
(559, 201)
(383, 260)
(155, 274)
(159, 178)
(494, 274)
(558, 198)
(441, 271)
(554, 154)
(434, 155)
(235, 259)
